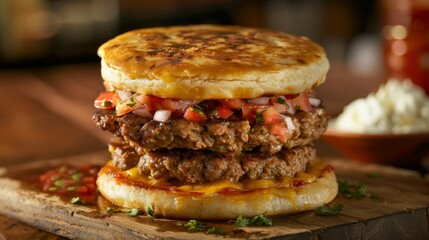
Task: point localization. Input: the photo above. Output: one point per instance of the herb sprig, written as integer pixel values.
(149, 211)
(260, 220)
(326, 210)
(76, 200)
(199, 226)
(358, 191)
(352, 191)
(133, 212)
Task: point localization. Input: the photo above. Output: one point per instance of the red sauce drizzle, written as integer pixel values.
(69, 182)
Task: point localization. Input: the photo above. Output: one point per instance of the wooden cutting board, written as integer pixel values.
(402, 212)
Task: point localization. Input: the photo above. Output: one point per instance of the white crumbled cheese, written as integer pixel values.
(397, 107)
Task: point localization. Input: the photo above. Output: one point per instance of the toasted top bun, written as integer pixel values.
(212, 62)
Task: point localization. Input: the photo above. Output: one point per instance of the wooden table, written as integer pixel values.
(47, 115)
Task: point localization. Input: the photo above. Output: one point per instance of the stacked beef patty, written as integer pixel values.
(199, 152)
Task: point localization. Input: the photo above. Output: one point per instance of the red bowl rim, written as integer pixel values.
(330, 132)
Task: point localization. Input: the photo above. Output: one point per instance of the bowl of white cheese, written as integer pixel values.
(389, 126)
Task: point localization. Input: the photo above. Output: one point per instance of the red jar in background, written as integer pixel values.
(406, 38)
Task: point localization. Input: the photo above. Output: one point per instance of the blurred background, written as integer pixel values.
(45, 32)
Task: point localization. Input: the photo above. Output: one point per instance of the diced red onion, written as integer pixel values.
(290, 109)
(162, 115)
(123, 95)
(183, 104)
(289, 124)
(260, 101)
(315, 102)
(143, 112)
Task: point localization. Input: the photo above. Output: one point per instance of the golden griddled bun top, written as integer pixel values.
(212, 62)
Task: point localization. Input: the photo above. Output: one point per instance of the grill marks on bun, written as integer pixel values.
(212, 62)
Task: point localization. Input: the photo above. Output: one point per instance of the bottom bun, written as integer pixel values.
(220, 200)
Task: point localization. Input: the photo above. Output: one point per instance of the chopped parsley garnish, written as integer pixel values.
(105, 103)
(134, 212)
(75, 200)
(59, 182)
(198, 109)
(195, 225)
(149, 211)
(52, 189)
(77, 176)
(213, 113)
(240, 222)
(71, 188)
(281, 100)
(325, 210)
(215, 230)
(259, 118)
(131, 104)
(112, 210)
(352, 191)
(259, 220)
(204, 105)
(375, 197)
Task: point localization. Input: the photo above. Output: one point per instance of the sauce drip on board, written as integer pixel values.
(71, 183)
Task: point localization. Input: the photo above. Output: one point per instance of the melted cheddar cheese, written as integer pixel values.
(311, 174)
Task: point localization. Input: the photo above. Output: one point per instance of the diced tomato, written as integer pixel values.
(157, 103)
(291, 96)
(250, 110)
(152, 103)
(223, 112)
(88, 179)
(234, 103)
(124, 108)
(91, 187)
(271, 116)
(195, 114)
(279, 129)
(82, 189)
(106, 100)
(301, 102)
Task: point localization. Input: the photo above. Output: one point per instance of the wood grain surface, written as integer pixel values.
(402, 212)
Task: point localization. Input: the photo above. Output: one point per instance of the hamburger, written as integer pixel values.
(213, 122)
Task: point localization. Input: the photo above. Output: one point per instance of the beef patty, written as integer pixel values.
(191, 166)
(218, 136)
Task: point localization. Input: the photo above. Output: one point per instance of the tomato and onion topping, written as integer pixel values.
(195, 114)
(263, 110)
